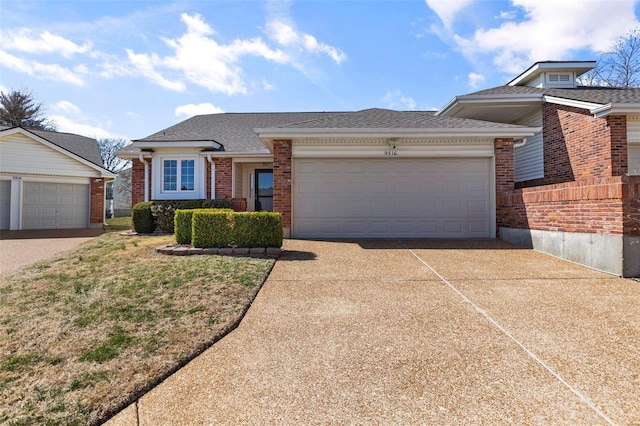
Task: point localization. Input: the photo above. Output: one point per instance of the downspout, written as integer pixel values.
(520, 144)
(146, 177)
(213, 177)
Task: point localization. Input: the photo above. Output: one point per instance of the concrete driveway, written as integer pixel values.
(23, 248)
(417, 332)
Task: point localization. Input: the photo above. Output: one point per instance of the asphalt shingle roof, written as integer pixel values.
(84, 147)
(376, 118)
(235, 131)
(593, 94)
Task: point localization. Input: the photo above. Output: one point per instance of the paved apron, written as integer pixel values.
(417, 332)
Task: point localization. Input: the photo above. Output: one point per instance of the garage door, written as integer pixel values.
(392, 198)
(55, 205)
(5, 203)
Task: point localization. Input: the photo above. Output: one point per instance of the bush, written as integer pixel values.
(218, 203)
(183, 223)
(259, 229)
(182, 226)
(163, 213)
(225, 228)
(211, 228)
(142, 218)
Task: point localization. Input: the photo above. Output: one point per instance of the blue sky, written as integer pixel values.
(130, 68)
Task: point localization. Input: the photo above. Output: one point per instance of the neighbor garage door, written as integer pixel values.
(5, 203)
(55, 205)
(385, 198)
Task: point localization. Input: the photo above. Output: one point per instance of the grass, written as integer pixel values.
(119, 223)
(84, 335)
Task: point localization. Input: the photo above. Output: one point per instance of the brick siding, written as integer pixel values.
(584, 189)
(137, 181)
(282, 182)
(223, 179)
(97, 201)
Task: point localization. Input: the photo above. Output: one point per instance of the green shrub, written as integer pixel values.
(182, 226)
(163, 213)
(211, 228)
(142, 218)
(225, 228)
(257, 229)
(218, 203)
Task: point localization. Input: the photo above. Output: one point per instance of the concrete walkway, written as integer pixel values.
(417, 332)
(23, 248)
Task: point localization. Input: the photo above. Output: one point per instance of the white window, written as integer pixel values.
(178, 177)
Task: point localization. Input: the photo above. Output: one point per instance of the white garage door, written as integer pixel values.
(5, 204)
(55, 205)
(392, 198)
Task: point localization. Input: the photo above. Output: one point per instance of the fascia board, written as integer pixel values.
(103, 172)
(281, 133)
(608, 109)
(460, 102)
(225, 154)
(571, 102)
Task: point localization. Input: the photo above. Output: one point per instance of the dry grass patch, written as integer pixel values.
(84, 334)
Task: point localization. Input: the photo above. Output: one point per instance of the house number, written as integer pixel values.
(390, 153)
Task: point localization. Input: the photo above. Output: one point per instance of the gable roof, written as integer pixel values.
(233, 131)
(76, 146)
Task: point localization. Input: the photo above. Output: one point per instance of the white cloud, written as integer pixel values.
(26, 40)
(395, 99)
(286, 35)
(447, 9)
(475, 79)
(201, 60)
(551, 30)
(70, 125)
(3, 89)
(190, 110)
(66, 106)
(39, 70)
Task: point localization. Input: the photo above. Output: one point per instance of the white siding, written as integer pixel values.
(529, 159)
(22, 155)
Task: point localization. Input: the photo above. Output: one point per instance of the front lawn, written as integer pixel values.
(85, 334)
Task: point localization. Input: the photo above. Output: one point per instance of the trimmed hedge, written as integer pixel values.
(230, 229)
(183, 221)
(142, 218)
(163, 212)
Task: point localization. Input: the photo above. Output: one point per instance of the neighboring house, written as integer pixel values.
(576, 188)
(50, 180)
(540, 162)
(119, 204)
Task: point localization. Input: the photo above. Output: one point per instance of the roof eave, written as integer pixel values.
(571, 102)
(615, 108)
(270, 135)
(142, 144)
(458, 103)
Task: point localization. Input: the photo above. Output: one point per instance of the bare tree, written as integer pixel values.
(19, 108)
(619, 67)
(108, 149)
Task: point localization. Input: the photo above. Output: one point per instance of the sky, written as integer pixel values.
(127, 69)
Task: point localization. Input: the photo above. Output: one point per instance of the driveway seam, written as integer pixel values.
(529, 352)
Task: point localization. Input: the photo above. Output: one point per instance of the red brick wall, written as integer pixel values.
(97, 201)
(224, 178)
(584, 189)
(282, 182)
(137, 181)
(578, 145)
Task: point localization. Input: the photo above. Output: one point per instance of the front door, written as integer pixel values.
(264, 190)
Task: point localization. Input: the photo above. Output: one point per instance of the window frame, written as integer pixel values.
(158, 171)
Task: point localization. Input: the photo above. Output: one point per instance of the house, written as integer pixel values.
(540, 161)
(50, 180)
(119, 195)
(575, 188)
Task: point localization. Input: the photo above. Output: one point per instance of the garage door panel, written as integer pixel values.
(49, 205)
(391, 198)
(5, 204)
